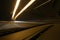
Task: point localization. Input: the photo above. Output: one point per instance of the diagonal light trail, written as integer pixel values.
(32, 1)
(43, 4)
(16, 6)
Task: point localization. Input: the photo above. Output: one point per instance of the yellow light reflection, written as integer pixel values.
(24, 8)
(16, 6)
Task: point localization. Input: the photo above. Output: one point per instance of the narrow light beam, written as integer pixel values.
(43, 4)
(16, 6)
(32, 1)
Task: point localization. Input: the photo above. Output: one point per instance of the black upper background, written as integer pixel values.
(49, 10)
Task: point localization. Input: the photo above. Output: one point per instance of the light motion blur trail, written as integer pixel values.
(28, 4)
(16, 6)
(43, 4)
(32, 1)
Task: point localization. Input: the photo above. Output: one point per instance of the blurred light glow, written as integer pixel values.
(16, 6)
(24, 8)
(18, 21)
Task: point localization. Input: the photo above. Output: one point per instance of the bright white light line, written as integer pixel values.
(32, 1)
(16, 6)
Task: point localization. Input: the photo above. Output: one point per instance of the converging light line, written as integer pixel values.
(16, 6)
(42, 4)
(32, 1)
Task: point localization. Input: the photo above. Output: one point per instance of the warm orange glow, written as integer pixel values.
(16, 6)
(24, 8)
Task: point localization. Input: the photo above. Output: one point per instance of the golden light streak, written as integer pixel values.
(24, 8)
(43, 4)
(16, 6)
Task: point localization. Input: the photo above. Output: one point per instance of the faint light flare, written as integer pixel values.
(16, 6)
(32, 1)
(43, 4)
